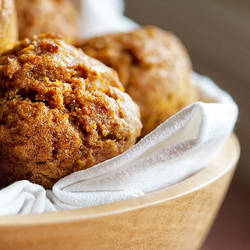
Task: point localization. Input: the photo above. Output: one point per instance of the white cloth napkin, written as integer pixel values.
(182, 145)
(101, 17)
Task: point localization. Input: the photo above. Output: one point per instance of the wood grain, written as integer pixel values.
(178, 217)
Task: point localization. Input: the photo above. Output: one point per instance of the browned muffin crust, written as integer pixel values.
(154, 68)
(60, 111)
(42, 16)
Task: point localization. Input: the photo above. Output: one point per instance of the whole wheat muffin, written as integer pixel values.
(154, 68)
(42, 16)
(60, 111)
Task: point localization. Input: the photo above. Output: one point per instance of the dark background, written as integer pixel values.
(216, 34)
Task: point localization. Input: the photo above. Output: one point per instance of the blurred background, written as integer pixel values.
(216, 34)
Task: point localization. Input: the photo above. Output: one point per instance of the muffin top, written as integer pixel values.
(153, 66)
(41, 16)
(60, 111)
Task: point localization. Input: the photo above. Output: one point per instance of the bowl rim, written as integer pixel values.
(224, 162)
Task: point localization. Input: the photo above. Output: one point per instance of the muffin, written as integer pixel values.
(42, 16)
(60, 111)
(8, 25)
(154, 68)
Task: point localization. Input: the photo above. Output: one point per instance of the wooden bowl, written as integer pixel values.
(178, 217)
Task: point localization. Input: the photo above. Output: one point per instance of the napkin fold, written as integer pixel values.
(179, 147)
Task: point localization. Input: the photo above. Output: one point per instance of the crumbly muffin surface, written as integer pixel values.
(60, 111)
(154, 68)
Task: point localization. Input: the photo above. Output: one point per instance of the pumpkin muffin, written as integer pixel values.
(154, 68)
(43, 16)
(60, 111)
(8, 25)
